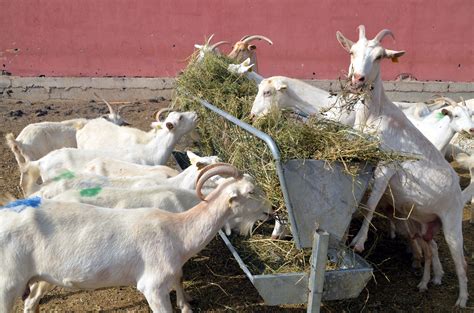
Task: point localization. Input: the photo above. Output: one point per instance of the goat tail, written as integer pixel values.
(16, 147)
(78, 123)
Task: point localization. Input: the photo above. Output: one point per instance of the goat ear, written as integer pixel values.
(280, 86)
(169, 125)
(345, 43)
(193, 158)
(232, 197)
(201, 165)
(252, 47)
(446, 112)
(394, 55)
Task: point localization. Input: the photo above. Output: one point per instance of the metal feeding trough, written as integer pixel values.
(320, 200)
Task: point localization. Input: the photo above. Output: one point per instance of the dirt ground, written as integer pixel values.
(213, 278)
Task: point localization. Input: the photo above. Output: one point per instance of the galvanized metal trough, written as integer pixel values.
(320, 200)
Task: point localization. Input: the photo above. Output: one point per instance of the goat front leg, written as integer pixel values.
(423, 285)
(437, 267)
(182, 298)
(382, 176)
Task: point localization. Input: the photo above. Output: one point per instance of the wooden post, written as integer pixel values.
(318, 268)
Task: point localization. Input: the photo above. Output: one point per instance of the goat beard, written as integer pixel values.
(246, 227)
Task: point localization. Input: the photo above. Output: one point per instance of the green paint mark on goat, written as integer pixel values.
(65, 175)
(90, 192)
(439, 116)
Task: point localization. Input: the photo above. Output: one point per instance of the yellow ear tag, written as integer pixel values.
(395, 60)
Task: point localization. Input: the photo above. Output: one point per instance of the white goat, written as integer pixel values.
(156, 152)
(245, 68)
(208, 48)
(242, 49)
(99, 134)
(440, 126)
(113, 168)
(288, 93)
(468, 162)
(38, 139)
(86, 184)
(428, 186)
(144, 247)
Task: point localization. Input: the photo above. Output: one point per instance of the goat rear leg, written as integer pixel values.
(382, 176)
(452, 229)
(37, 291)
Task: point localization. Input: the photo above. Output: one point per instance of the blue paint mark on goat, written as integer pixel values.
(21, 204)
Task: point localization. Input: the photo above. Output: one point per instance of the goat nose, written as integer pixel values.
(471, 130)
(358, 78)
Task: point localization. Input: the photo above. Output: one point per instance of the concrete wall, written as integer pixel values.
(126, 89)
(152, 38)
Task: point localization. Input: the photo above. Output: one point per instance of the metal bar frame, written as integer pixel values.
(320, 240)
(276, 157)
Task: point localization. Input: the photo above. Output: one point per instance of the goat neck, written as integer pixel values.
(159, 149)
(200, 224)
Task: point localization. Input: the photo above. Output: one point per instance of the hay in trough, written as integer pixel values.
(264, 255)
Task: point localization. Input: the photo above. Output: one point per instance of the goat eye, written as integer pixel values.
(180, 118)
(378, 58)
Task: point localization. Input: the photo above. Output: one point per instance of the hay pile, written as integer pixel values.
(264, 255)
(296, 139)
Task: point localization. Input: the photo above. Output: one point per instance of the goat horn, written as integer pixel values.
(217, 44)
(250, 38)
(120, 108)
(208, 41)
(384, 32)
(209, 171)
(108, 104)
(361, 32)
(246, 36)
(158, 114)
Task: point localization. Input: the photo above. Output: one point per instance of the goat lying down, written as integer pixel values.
(145, 248)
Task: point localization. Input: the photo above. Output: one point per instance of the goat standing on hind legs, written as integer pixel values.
(428, 184)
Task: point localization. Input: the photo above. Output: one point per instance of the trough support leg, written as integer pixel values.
(318, 268)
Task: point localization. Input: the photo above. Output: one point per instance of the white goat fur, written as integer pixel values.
(144, 247)
(288, 93)
(184, 180)
(245, 68)
(99, 135)
(113, 168)
(156, 152)
(428, 185)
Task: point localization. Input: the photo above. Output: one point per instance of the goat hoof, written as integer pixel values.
(436, 280)
(416, 264)
(461, 302)
(422, 287)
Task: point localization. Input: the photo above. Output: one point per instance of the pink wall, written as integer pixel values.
(154, 37)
